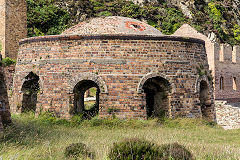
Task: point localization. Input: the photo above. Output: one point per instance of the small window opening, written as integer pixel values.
(221, 83)
(234, 83)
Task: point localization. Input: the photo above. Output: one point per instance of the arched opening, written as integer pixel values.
(205, 100)
(157, 90)
(86, 99)
(30, 90)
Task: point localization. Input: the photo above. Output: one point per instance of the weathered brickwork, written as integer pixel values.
(2, 24)
(224, 62)
(228, 70)
(120, 65)
(8, 75)
(13, 26)
(5, 117)
(227, 115)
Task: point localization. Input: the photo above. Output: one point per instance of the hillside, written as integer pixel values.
(220, 18)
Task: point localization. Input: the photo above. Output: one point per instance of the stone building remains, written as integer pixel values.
(137, 71)
(224, 63)
(13, 26)
(5, 116)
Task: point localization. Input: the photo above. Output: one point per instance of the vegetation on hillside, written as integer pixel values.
(47, 137)
(53, 16)
(45, 18)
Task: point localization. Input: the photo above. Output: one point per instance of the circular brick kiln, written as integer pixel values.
(136, 70)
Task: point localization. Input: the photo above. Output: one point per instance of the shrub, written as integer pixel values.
(134, 149)
(8, 61)
(79, 150)
(104, 14)
(76, 120)
(176, 152)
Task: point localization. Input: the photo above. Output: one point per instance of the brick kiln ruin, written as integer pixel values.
(138, 72)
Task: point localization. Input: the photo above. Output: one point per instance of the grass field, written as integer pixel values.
(47, 137)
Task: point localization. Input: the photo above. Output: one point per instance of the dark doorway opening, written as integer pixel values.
(205, 100)
(30, 90)
(157, 90)
(86, 99)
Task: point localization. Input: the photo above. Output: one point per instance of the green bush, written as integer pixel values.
(134, 149)
(76, 120)
(79, 150)
(8, 61)
(175, 152)
(104, 14)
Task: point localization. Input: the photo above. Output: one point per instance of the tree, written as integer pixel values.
(44, 18)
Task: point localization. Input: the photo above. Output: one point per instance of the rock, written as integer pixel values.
(185, 10)
(212, 36)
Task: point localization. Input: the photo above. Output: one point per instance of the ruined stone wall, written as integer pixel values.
(227, 66)
(13, 26)
(9, 72)
(2, 25)
(224, 61)
(5, 116)
(227, 115)
(187, 31)
(119, 65)
(16, 26)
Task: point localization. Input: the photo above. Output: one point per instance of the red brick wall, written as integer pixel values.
(227, 69)
(118, 65)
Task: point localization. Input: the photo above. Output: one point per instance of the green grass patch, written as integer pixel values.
(47, 137)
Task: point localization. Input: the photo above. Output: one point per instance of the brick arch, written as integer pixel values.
(40, 80)
(88, 76)
(198, 81)
(151, 75)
